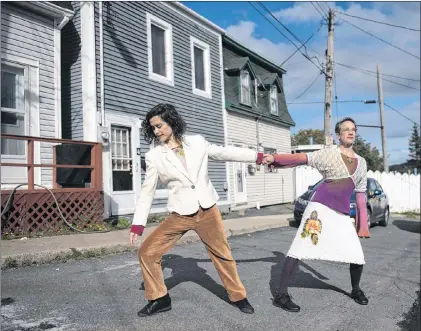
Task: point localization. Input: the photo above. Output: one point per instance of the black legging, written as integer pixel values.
(291, 264)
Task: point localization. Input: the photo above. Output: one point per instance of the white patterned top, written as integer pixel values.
(329, 163)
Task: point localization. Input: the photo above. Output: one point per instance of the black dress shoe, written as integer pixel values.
(156, 306)
(284, 301)
(359, 297)
(244, 306)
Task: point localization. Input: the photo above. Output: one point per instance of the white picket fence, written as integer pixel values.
(403, 190)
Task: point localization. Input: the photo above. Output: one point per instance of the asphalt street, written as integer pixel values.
(105, 293)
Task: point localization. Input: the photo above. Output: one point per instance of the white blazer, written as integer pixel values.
(187, 189)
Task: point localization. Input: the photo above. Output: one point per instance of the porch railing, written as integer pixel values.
(34, 211)
(96, 161)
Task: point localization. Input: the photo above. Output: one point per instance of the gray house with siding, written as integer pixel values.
(257, 118)
(30, 84)
(122, 59)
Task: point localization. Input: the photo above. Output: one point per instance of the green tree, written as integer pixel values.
(415, 147)
(370, 154)
(303, 136)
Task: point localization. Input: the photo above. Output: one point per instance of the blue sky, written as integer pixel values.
(352, 47)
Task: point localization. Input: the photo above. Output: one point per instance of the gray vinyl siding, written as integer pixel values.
(126, 75)
(232, 93)
(71, 78)
(28, 35)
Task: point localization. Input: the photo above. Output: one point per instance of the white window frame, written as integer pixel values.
(274, 90)
(242, 96)
(169, 64)
(194, 42)
(32, 118)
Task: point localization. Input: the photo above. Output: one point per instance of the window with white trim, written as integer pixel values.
(160, 52)
(274, 100)
(14, 119)
(201, 74)
(245, 87)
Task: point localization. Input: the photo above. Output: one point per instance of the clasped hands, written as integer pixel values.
(267, 159)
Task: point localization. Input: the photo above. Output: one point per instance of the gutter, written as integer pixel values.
(199, 17)
(47, 8)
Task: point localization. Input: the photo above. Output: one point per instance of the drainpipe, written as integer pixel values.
(101, 62)
(63, 22)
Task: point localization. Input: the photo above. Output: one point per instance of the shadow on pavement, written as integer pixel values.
(187, 270)
(410, 226)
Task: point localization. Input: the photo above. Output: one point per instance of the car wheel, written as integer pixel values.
(369, 218)
(386, 216)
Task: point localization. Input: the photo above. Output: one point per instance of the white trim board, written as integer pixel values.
(169, 64)
(207, 93)
(87, 54)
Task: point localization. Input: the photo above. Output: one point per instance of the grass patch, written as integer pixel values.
(411, 214)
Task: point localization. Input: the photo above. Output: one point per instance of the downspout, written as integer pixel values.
(101, 63)
(63, 22)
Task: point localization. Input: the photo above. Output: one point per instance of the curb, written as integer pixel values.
(69, 254)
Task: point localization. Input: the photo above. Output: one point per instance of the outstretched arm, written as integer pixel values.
(230, 153)
(285, 160)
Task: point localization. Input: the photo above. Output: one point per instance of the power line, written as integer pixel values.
(315, 102)
(367, 19)
(291, 33)
(324, 18)
(323, 10)
(264, 16)
(400, 113)
(369, 33)
(302, 45)
(374, 72)
(318, 75)
(372, 75)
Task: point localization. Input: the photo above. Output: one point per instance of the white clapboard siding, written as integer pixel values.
(262, 188)
(403, 190)
(27, 35)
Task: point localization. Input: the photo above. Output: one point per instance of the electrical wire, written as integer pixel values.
(367, 19)
(9, 200)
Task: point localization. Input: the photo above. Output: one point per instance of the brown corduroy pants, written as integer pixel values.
(209, 226)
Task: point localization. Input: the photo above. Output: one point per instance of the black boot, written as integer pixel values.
(359, 297)
(156, 306)
(284, 301)
(244, 306)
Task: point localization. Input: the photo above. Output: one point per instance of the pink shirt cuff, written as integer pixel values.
(138, 229)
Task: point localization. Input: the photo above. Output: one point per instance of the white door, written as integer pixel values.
(240, 186)
(125, 163)
(14, 121)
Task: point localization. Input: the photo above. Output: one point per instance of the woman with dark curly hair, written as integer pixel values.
(181, 162)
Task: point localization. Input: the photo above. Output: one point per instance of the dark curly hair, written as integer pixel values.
(338, 125)
(170, 116)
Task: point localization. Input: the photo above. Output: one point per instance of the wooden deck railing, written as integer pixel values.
(96, 161)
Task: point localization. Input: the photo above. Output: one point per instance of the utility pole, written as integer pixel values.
(380, 89)
(329, 80)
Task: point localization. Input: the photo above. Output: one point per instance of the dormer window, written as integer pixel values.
(245, 88)
(274, 100)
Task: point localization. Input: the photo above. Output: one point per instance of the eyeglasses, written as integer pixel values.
(350, 130)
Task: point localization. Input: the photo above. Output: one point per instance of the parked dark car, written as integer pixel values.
(377, 203)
